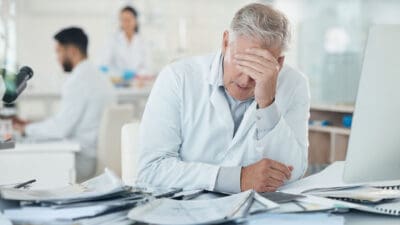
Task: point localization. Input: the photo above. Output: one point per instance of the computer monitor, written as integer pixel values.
(373, 152)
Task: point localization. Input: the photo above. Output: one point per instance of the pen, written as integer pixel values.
(24, 184)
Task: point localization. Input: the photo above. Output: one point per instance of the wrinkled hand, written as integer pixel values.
(265, 175)
(263, 68)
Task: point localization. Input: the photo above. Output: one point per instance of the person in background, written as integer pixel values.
(229, 121)
(126, 53)
(84, 96)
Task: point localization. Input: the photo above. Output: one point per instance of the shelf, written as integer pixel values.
(333, 108)
(330, 129)
(328, 143)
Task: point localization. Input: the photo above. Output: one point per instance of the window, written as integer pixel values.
(329, 41)
(7, 35)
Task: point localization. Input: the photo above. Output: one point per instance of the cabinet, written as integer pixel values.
(328, 143)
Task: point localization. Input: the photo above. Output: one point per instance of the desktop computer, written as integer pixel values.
(373, 152)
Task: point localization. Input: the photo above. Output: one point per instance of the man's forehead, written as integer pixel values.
(241, 43)
(64, 46)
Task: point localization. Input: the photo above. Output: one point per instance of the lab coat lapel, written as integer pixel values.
(217, 98)
(249, 118)
(221, 106)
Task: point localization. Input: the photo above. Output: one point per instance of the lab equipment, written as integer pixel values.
(11, 86)
(14, 84)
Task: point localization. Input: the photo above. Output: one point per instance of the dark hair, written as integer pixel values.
(73, 36)
(134, 13)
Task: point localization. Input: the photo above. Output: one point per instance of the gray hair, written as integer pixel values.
(264, 23)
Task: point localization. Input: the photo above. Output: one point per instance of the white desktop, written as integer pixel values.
(374, 148)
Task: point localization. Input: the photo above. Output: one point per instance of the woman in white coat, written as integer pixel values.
(126, 53)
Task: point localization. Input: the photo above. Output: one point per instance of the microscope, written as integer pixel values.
(11, 86)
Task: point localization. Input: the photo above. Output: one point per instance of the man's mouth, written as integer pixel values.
(242, 87)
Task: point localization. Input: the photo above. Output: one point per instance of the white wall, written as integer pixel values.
(161, 25)
(172, 29)
(39, 20)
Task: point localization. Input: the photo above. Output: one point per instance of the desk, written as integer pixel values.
(134, 96)
(123, 94)
(362, 218)
(358, 218)
(350, 218)
(52, 164)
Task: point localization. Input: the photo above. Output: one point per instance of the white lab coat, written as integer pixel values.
(121, 55)
(84, 96)
(187, 127)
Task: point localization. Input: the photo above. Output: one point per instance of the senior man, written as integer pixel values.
(230, 121)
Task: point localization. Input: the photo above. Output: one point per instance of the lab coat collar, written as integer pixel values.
(220, 102)
(217, 98)
(80, 66)
(121, 37)
(216, 74)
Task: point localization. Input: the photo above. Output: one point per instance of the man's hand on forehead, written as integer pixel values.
(257, 55)
(263, 67)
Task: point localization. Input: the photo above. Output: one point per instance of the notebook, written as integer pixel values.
(330, 180)
(388, 208)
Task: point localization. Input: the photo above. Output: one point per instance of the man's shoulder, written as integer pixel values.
(192, 67)
(90, 78)
(292, 76)
(86, 72)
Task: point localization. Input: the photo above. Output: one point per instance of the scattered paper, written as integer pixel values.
(168, 211)
(46, 214)
(106, 183)
(4, 220)
(295, 219)
(367, 194)
(331, 177)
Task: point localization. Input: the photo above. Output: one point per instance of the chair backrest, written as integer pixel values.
(130, 151)
(109, 141)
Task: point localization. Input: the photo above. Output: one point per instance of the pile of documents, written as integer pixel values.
(378, 197)
(295, 219)
(360, 194)
(203, 211)
(101, 195)
(106, 200)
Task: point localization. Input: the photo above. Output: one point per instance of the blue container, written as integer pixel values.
(128, 75)
(346, 121)
(104, 69)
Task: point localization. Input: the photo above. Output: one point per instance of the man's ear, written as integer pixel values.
(225, 42)
(70, 51)
(281, 60)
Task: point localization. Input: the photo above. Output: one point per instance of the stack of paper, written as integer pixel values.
(377, 197)
(330, 177)
(169, 211)
(4, 220)
(115, 218)
(99, 187)
(48, 214)
(363, 194)
(295, 219)
(100, 195)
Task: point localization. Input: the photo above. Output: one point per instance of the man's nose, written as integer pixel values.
(245, 80)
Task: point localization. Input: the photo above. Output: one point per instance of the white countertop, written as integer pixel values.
(42, 146)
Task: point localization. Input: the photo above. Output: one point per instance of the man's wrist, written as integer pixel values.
(241, 177)
(265, 104)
